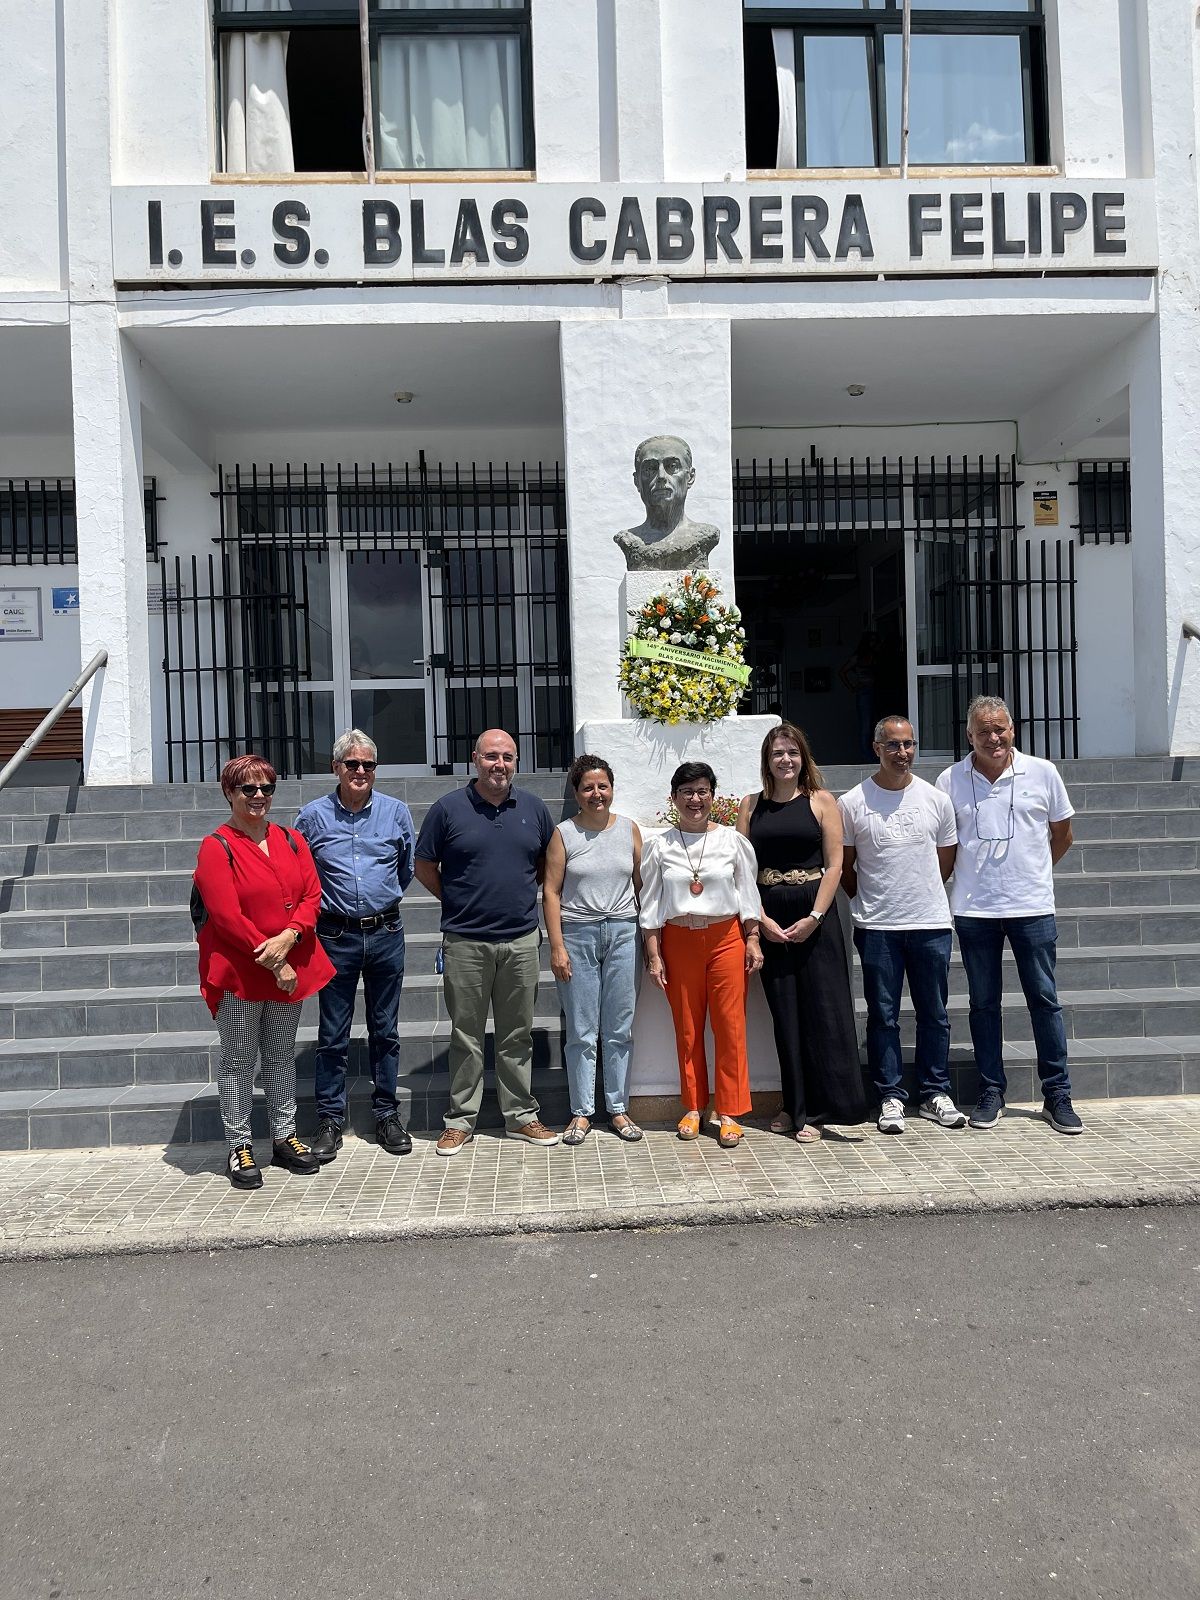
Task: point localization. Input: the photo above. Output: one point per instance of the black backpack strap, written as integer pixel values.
(289, 836)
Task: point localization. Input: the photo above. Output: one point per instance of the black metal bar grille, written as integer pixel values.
(37, 521)
(253, 665)
(1105, 503)
(996, 611)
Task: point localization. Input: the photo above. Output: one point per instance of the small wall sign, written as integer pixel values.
(20, 614)
(64, 600)
(1045, 509)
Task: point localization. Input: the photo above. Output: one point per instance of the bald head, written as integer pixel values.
(495, 758)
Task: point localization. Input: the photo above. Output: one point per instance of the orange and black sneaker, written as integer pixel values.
(243, 1169)
(295, 1155)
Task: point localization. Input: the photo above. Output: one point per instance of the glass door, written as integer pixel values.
(382, 675)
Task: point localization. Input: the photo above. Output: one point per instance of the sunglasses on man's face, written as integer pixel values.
(359, 766)
(249, 790)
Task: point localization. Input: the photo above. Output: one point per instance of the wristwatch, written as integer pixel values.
(818, 917)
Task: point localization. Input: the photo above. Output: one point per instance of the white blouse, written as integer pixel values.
(727, 869)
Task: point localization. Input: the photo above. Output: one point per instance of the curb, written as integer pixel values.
(606, 1220)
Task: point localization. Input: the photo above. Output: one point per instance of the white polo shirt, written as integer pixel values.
(1003, 866)
(895, 834)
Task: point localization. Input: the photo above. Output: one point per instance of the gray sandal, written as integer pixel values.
(626, 1129)
(577, 1130)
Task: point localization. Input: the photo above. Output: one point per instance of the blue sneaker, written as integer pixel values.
(1061, 1115)
(989, 1110)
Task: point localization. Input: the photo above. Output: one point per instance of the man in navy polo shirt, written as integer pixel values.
(482, 852)
(362, 843)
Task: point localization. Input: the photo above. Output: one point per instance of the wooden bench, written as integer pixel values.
(64, 742)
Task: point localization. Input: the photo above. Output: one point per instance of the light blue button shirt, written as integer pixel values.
(364, 858)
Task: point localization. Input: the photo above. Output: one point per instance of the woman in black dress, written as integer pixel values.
(796, 831)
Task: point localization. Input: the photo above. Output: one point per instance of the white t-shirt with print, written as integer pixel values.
(895, 834)
(1003, 866)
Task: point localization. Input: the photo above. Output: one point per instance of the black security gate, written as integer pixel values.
(987, 609)
(463, 572)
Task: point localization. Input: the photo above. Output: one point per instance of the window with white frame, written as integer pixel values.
(449, 85)
(824, 83)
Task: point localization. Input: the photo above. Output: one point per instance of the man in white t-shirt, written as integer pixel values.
(898, 842)
(1014, 822)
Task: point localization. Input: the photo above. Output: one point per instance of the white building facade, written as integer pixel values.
(327, 332)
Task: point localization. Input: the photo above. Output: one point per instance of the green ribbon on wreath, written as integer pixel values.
(699, 660)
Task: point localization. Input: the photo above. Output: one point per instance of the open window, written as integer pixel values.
(823, 84)
(449, 87)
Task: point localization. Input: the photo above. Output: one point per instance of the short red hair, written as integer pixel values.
(245, 769)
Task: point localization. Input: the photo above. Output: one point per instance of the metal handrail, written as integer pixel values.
(1190, 630)
(51, 717)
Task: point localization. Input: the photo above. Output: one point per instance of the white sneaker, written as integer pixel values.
(891, 1116)
(941, 1109)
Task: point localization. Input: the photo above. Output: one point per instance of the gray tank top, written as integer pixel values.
(598, 881)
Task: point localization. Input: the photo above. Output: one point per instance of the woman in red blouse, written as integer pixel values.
(259, 958)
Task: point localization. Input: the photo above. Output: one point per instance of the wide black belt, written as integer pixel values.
(333, 922)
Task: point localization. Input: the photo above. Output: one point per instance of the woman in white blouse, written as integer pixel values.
(699, 915)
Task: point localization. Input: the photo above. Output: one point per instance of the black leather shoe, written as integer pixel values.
(293, 1154)
(328, 1141)
(391, 1133)
(243, 1169)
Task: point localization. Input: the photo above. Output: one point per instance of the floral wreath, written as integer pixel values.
(683, 658)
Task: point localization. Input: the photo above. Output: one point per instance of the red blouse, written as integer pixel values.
(252, 898)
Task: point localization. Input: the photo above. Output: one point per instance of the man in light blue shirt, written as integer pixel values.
(362, 843)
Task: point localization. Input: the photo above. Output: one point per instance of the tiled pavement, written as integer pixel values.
(57, 1203)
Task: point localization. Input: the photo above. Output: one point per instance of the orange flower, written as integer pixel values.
(704, 618)
(661, 609)
(687, 580)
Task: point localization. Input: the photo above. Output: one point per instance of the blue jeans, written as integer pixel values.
(888, 955)
(1034, 942)
(598, 1006)
(378, 959)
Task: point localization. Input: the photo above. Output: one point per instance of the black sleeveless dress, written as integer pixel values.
(807, 985)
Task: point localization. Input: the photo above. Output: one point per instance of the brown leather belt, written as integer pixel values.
(770, 877)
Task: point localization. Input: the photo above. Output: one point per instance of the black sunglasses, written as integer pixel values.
(249, 790)
(355, 766)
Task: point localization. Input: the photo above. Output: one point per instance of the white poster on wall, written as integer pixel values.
(20, 614)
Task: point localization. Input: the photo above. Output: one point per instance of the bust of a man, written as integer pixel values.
(667, 541)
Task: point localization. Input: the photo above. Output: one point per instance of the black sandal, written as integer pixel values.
(577, 1130)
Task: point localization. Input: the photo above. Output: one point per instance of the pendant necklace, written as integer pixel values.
(696, 886)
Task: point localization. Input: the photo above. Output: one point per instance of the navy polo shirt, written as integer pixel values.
(488, 857)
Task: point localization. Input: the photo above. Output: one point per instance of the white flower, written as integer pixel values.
(689, 638)
(664, 624)
(676, 638)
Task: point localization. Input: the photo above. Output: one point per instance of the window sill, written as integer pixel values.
(865, 174)
(488, 175)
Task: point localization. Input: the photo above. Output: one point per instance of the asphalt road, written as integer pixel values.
(927, 1407)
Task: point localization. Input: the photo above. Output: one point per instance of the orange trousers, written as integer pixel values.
(706, 976)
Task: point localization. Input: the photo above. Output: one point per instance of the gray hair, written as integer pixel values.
(983, 704)
(353, 739)
(881, 726)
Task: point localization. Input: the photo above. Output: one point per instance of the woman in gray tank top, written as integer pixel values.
(593, 877)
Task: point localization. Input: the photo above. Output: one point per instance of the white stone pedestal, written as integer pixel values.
(643, 756)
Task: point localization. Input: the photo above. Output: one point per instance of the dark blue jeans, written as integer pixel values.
(888, 956)
(1034, 943)
(378, 959)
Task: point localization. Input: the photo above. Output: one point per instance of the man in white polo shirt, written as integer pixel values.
(898, 844)
(1014, 822)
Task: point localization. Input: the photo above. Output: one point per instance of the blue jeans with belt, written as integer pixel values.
(598, 1005)
(1034, 943)
(377, 958)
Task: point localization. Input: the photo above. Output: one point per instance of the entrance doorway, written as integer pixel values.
(420, 607)
(901, 586)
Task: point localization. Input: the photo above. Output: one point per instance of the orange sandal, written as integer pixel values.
(731, 1134)
(689, 1125)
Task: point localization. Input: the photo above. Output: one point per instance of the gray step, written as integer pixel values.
(167, 964)
(293, 792)
(184, 1111)
(91, 1013)
(1087, 1013)
(118, 827)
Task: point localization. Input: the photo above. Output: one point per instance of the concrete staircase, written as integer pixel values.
(104, 1038)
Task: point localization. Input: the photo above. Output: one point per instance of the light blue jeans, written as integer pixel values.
(598, 1006)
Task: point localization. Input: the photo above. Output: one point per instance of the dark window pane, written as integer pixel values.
(384, 599)
(235, 7)
(396, 718)
(470, 711)
(966, 99)
(324, 77)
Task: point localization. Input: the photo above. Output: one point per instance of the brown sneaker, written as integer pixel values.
(534, 1132)
(453, 1140)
